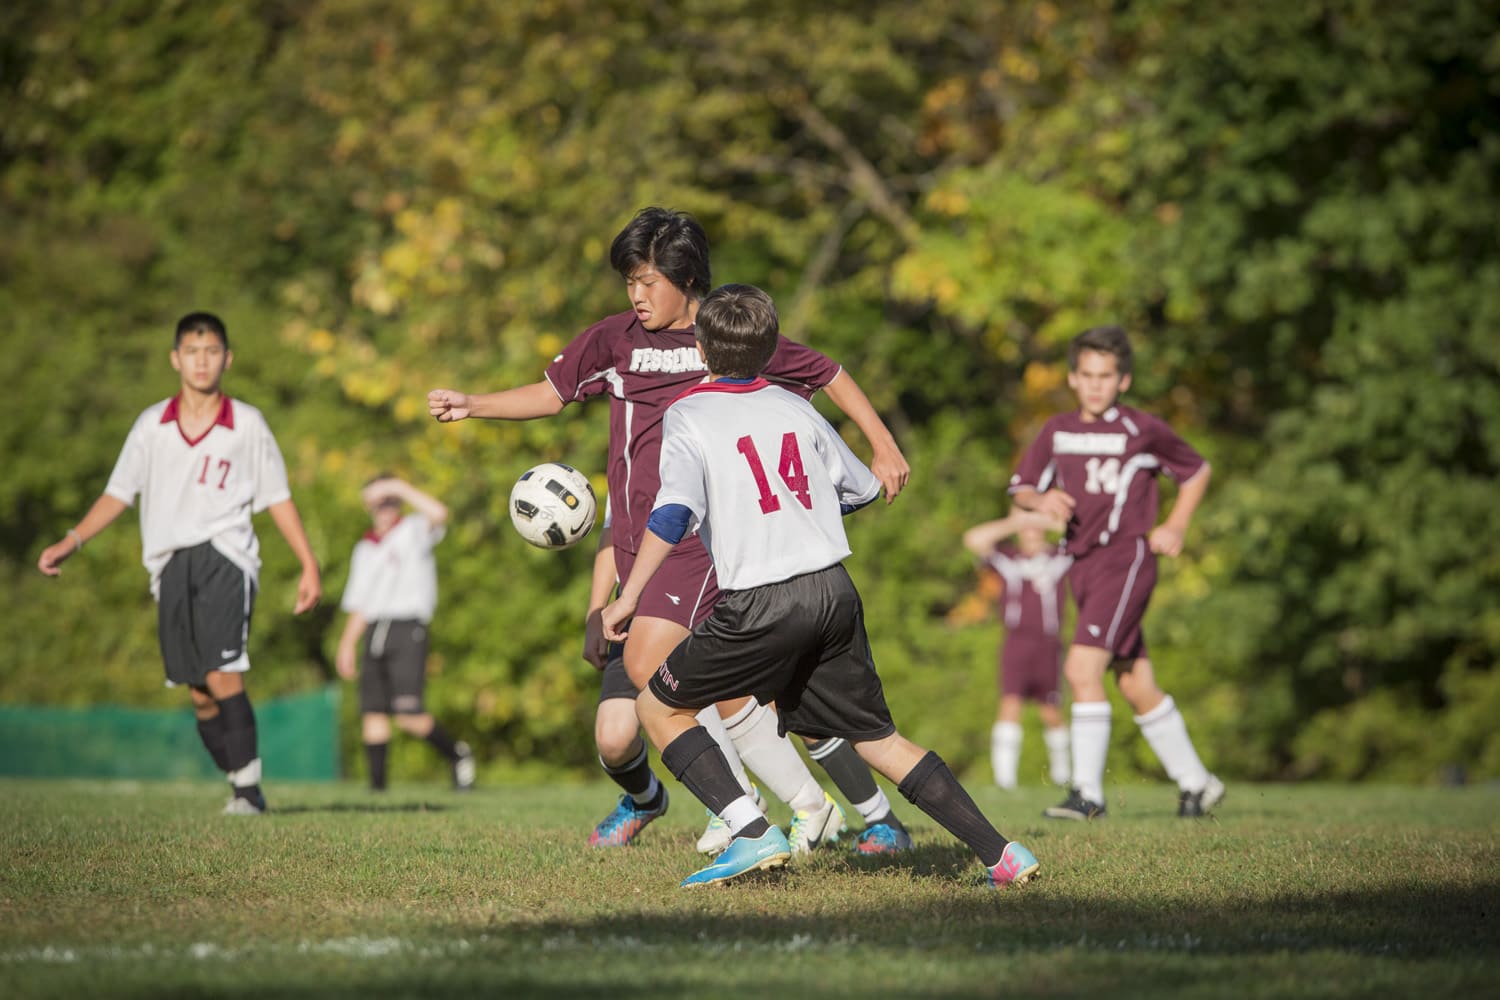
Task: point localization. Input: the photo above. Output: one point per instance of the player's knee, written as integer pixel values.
(616, 733)
(416, 725)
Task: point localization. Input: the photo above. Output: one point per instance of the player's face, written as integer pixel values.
(384, 516)
(1097, 382)
(658, 304)
(201, 360)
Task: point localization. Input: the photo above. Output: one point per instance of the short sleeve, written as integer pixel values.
(128, 478)
(800, 369)
(271, 486)
(855, 483)
(1034, 464)
(357, 589)
(1178, 459)
(578, 372)
(682, 468)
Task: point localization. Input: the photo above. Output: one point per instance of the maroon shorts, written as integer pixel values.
(1111, 586)
(684, 590)
(1030, 665)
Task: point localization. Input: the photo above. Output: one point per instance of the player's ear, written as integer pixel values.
(229, 360)
(176, 361)
(1124, 383)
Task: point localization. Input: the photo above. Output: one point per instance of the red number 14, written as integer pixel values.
(790, 468)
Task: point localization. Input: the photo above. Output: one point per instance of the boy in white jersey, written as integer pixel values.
(201, 464)
(390, 597)
(1095, 468)
(767, 481)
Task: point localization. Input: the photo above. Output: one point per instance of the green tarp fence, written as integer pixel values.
(298, 740)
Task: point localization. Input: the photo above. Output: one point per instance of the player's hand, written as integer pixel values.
(381, 489)
(614, 618)
(448, 405)
(893, 471)
(309, 591)
(1165, 540)
(595, 645)
(1057, 505)
(344, 660)
(52, 557)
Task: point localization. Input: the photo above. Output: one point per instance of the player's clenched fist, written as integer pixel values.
(448, 405)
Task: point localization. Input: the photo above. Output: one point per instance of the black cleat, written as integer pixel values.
(1191, 805)
(1075, 806)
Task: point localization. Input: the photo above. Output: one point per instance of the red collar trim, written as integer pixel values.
(731, 387)
(371, 536)
(173, 412)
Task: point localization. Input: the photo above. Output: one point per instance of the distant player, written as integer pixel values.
(1095, 468)
(1032, 592)
(202, 463)
(641, 360)
(767, 480)
(390, 598)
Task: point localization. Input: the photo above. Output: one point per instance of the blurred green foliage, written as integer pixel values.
(1292, 205)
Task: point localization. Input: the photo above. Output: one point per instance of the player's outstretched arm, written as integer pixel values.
(100, 516)
(310, 584)
(888, 464)
(982, 538)
(595, 645)
(1166, 538)
(346, 660)
(527, 402)
(430, 506)
(654, 552)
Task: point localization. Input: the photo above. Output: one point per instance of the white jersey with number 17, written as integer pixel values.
(765, 476)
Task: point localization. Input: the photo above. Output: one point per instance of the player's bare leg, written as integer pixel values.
(456, 752)
(375, 733)
(1166, 732)
(240, 743)
(928, 784)
(622, 753)
(1084, 668)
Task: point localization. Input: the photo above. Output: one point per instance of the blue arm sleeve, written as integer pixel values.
(849, 508)
(670, 522)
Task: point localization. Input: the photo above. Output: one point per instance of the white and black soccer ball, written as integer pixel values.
(552, 505)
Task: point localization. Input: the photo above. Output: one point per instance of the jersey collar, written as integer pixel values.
(734, 385)
(224, 419)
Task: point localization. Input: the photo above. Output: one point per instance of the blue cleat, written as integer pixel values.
(742, 856)
(1015, 866)
(882, 838)
(624, 822)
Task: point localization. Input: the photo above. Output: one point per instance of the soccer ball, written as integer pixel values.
(552, 505)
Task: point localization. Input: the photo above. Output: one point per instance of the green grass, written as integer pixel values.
(1308, 891)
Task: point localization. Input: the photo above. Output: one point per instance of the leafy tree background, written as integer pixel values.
(1291, 205)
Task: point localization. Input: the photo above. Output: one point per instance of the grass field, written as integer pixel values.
(1308, 891)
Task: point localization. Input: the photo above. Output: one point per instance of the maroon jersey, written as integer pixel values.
(643, 371)
(1032, 600)
(1109, 466)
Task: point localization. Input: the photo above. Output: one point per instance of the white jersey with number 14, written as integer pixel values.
(765, 476)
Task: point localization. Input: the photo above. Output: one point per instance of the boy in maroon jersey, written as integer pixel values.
(1095, 469)
(641, 360)
(1032, 575)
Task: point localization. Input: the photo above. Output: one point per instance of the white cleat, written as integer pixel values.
(814, 828)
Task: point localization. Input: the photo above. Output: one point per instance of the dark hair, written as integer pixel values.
(672, 242)
(1106, 340)
(201, 322)
(738, 329)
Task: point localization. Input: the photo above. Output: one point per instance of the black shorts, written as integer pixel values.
(800, 643)
(203, 615)
(615, 682)
(395, 667)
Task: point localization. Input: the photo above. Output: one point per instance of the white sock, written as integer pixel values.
(875, 807)
(1090, 732)
(1005, 752)
(709, 719)
(1167, 733)
(1057, 755)
(741, 813)
(773, 758)
(246, 776)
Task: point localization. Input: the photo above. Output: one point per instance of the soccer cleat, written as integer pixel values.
(463, 768)
(1075, 806)
(240, 806)
(625, 822)
(1015, 866)
(811, 828)
(742, 856)
(882, 838)
(1194, 804)
(716, 835)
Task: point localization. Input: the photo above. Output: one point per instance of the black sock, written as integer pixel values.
(375, 757)
(932, 788)
(634, 778)
(211, 732)
(441, 741)
(696, 761)
(239, 731)
(850, 774)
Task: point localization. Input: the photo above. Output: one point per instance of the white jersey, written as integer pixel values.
(764, 476)
(393, 576)
(200, 490)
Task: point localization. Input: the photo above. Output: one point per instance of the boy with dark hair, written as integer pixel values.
(1032, 587)
(1095, 469)
(767, 480)
(390, 598)
(640, 361)
(202, 464)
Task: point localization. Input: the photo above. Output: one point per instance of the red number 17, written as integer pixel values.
(790, 469)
